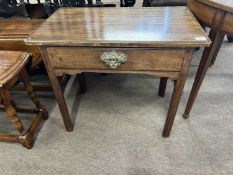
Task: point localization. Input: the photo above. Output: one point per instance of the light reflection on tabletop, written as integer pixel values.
(90, 25)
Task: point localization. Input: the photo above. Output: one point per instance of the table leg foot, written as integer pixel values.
(165, 134)
(70, 129)
(185, 116)
(26, 141)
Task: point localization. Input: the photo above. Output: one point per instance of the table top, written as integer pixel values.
(226, 5)
(20, 28)
(121, 27)
(13, 33)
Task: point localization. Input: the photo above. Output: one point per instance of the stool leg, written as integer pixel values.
(28, 87)
(26, 140)
(10, 110)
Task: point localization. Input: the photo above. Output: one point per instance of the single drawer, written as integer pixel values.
(137, 59)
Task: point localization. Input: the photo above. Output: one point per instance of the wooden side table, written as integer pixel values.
(154, 41)
(218, 15)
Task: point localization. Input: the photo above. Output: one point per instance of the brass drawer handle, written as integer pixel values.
(113, 59)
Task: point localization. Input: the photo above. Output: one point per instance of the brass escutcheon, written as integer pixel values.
(113, 59)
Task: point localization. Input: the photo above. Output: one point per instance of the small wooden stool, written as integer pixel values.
(12, 68)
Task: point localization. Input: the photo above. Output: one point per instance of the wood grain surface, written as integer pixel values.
(10, 64)
(138, 59)
(20, 28)
(121, 27)
(13, 33)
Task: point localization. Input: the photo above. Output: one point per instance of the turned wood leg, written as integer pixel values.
(162, 86)
(28, 87)
(26, 139)
(206, 59)
(58, 92)
(82, 83)
(10, 110)
(177, 92)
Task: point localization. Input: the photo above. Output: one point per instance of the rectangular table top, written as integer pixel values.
(121, 27)
(226, 5)
(20, 28)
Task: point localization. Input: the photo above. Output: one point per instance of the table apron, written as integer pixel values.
(158, 62)
(227, 26)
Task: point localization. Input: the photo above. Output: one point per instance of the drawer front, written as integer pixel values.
(137, 59)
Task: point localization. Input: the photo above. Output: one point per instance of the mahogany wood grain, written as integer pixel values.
(19, 28)
(160, 27)
(89, 59)
(159, 43)
(13, 33)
